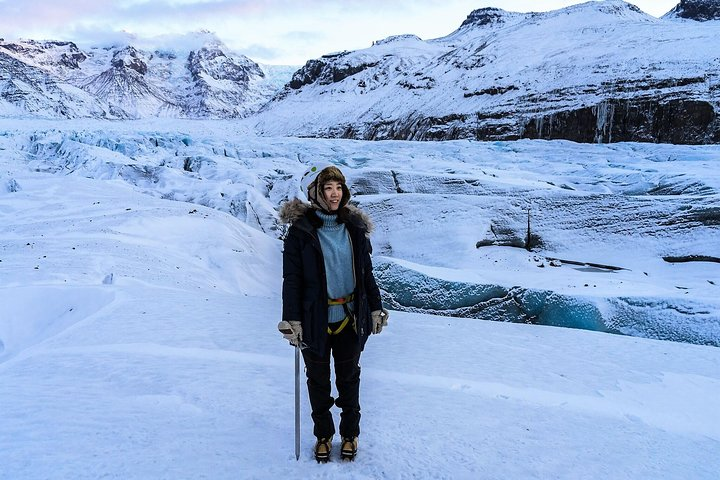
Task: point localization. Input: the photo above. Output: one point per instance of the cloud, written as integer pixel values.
(274, 31)
(269, 55)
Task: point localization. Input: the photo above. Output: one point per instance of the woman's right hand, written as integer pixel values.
(291, 331)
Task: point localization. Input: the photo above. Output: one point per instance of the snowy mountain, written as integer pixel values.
(601, 71)
(27, 90)
(200, 79)
(140, 274)
(597, 71)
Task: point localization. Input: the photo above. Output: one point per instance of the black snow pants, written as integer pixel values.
(345, 350)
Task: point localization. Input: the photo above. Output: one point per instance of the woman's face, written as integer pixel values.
(332, 191)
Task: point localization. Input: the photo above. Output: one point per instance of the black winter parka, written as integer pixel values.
(304, 292)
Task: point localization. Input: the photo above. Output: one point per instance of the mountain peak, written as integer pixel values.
(617, 8)
(485, 16)
(398, 38)
(129, 57)
(699, 10)
(491, 16)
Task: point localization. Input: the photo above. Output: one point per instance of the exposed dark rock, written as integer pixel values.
(700, 216)
(505, 236)
(326, 71)
(341, 72)
(675, 121)
(417, 127)
(129, 58)
(307, 74)
(700, 10)
(72, 60)
(631, 120)
(416, 83)
(691, 258)
(603, 266)
(165, 54)
(484, 16)
(491, 91)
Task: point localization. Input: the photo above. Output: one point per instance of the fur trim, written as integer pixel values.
(295, 209)
(358, 218)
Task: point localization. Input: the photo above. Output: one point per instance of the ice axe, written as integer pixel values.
(285, 329)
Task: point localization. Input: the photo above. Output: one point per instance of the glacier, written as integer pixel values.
(450, 218)
(140, 279)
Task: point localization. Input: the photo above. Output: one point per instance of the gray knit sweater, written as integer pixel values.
(337, 253)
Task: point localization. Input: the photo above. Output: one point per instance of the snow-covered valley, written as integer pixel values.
(140, 276)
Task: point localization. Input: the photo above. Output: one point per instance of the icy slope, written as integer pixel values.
(153, 353)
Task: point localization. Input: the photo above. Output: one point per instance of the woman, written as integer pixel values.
(331, 302)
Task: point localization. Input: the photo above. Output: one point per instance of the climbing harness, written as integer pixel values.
(348, 315)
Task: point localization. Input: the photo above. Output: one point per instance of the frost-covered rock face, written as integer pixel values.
(27, 89)
(125, 81)
(700, 10)
(597, 71)
(308, 74)
(485, 16)
(127, 90)
(130, 58)
(220, 82)
(50, 54)
(679, 121)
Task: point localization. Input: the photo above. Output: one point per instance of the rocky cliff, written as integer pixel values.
(698, 10)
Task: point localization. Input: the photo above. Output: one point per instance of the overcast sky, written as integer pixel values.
(283, 32)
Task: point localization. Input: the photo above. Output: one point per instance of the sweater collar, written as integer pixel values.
(329, 220)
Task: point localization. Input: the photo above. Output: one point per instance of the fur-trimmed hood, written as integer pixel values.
(295, 209)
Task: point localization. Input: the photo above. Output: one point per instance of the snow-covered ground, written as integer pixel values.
(138, 316)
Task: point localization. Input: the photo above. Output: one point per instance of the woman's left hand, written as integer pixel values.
(379, 320)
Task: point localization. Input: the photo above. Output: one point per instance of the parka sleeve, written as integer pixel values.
(371, 288)
(292, 279)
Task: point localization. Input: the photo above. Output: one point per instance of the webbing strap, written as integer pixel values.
(341, 300)
(343, 324)
(348, 315)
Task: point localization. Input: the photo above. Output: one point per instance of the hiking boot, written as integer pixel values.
(349, 448)
(322, 449)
